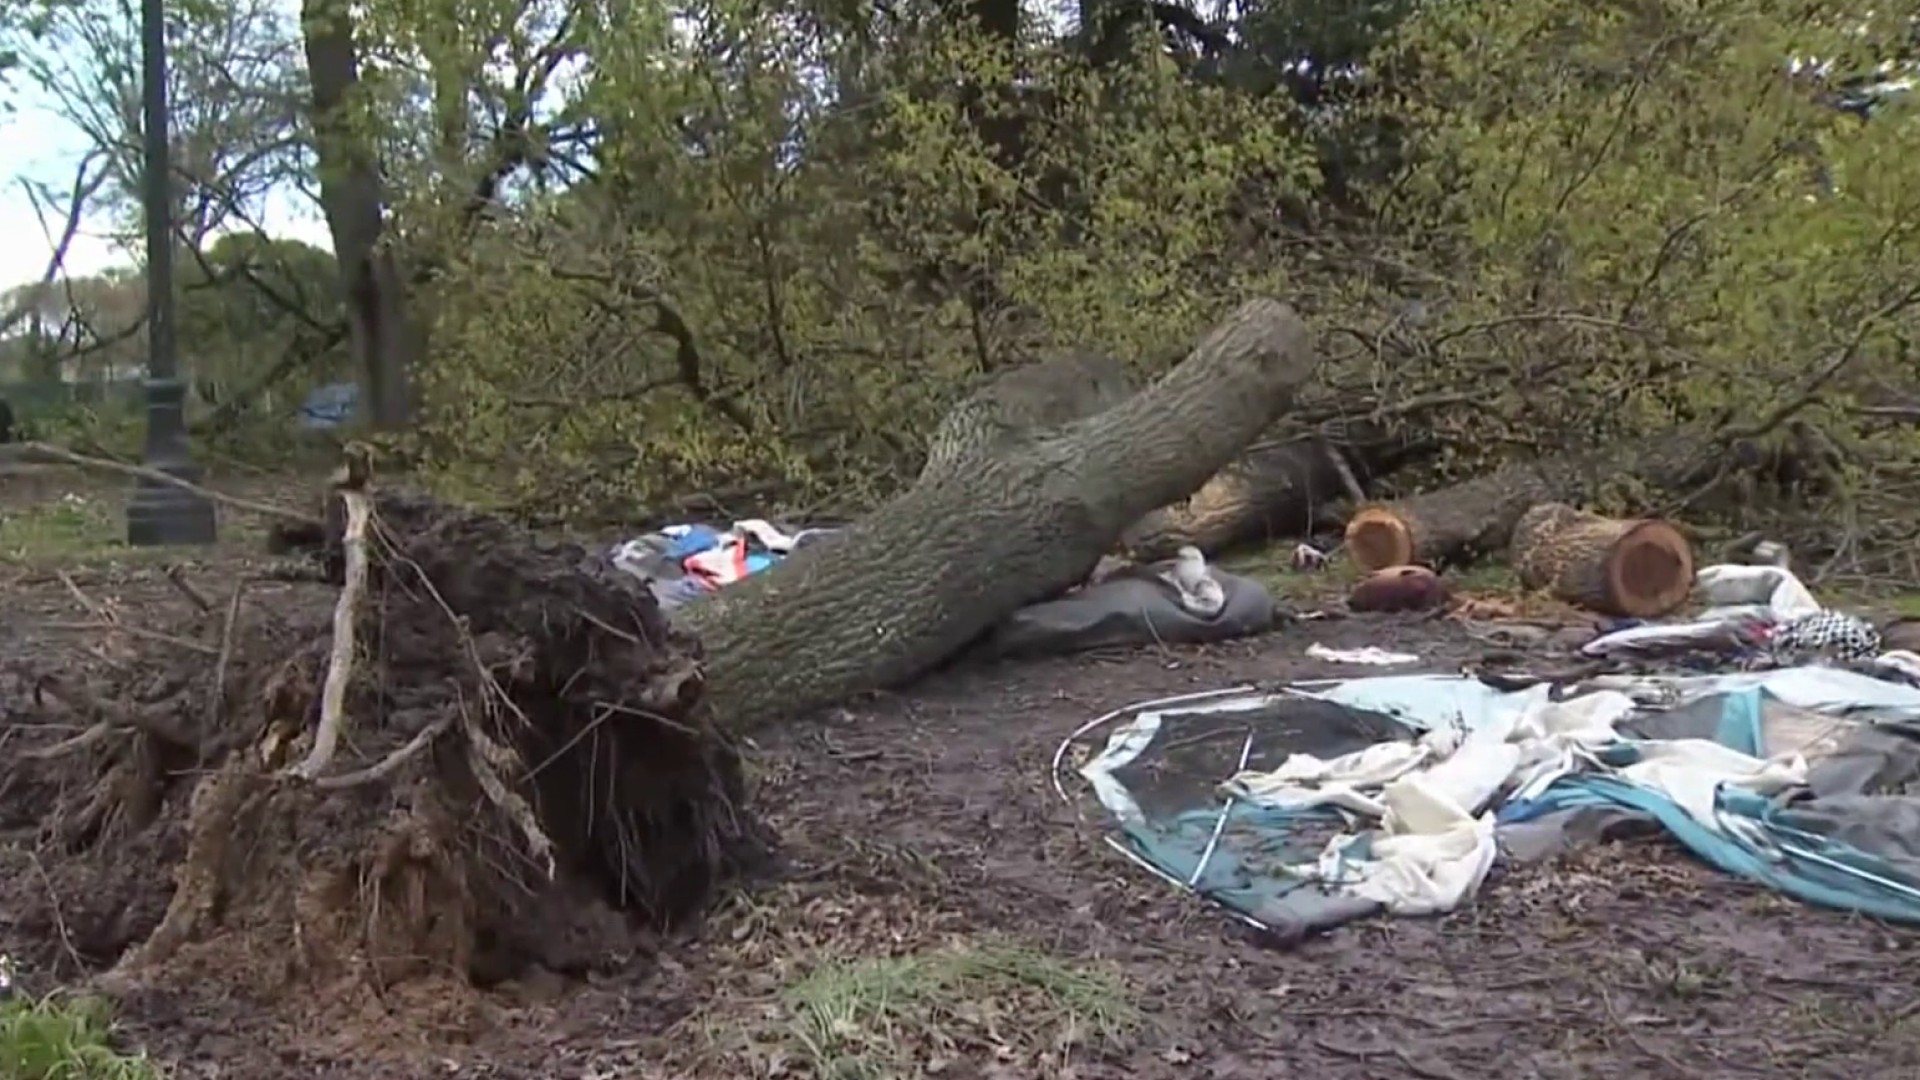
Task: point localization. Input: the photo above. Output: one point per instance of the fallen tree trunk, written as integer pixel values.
(1019, 401)
(1281, 487)
(1275, 489)
(1635, 568)
(1457, 524)
(1002, 522)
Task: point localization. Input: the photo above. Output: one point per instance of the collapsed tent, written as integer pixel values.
(683, 563)
(1321, 803)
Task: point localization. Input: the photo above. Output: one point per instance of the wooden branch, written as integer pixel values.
(84, 186)
(1810, 391)
(44, 453)
(177, 577)
(217, 699)
(390, 764)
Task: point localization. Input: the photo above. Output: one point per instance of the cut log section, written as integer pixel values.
(1454, 525)
(1636, 568)
(1275, 489)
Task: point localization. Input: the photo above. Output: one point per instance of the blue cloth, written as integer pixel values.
(330, 406)
(688, 540)
(1752, 842)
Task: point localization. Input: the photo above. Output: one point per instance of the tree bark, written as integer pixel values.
(1019, 401)
(1458, 524)
(1641, 569)
(1018, 520)
(385, 336)
(1275, 489)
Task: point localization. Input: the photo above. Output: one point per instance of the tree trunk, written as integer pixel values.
(1021, 401)
(386, 338)
(1012, 522)
(1275, 489)
(1458, 524)
(1639, 569)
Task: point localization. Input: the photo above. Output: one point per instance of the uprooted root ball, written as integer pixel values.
(524, 776)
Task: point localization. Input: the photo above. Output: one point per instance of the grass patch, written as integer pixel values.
(65, 529)
(64, 1038)
(1271, 566)
(1490, 577)
(895, 1017)
(1905, 604)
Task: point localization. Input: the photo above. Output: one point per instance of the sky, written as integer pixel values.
(36, 144)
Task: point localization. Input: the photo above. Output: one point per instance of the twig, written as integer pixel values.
(139, 632)
(32, 450)
(1345, 473)
(177, 577)
(100, 730)
(217, 701)
(111, 621)
(333, 694)
(87, 603)
(59, 920)
(388, 765)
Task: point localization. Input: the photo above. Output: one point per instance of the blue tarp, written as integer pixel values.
(1752, 842)
(1174, 821)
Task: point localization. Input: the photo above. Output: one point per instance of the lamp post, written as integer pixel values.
(162, 513)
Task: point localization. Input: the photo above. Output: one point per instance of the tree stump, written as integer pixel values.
(1634, 568)
(1003, 519)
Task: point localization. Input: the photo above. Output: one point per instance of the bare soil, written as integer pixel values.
(925, 825)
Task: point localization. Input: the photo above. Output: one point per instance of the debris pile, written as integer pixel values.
(460, 755)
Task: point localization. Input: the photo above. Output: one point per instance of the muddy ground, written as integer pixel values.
(940, 912)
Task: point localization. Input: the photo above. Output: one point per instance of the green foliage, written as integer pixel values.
(851, 234)
(63, 1038)
(1635, 215)
(753, 248)
(245, 303)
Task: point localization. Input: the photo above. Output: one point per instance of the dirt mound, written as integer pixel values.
(512, 771)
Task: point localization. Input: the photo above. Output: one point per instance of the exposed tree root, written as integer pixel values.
(444, 770)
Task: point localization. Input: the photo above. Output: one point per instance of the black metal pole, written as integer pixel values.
(162, 513)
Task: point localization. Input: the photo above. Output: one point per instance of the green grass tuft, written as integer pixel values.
(894, 1017)
(69, 529)
(64, 1038)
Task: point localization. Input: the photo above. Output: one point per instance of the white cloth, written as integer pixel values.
(1199, 592)
(1434, 840)
(1774, 588)
(1371, 655)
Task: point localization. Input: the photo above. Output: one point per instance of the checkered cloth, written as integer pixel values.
(1829, 635)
